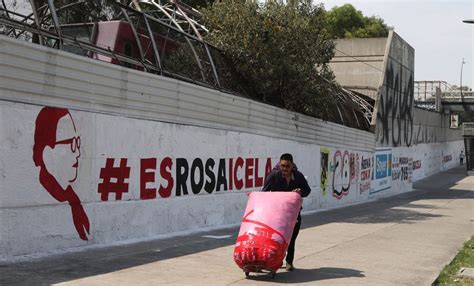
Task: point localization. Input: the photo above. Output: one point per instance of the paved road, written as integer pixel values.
(402, 240)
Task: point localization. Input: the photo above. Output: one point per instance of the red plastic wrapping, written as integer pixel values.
(260, 245)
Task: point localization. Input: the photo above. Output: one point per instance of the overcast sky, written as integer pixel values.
(434, 29)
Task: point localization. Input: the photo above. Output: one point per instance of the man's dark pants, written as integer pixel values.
(290, 255)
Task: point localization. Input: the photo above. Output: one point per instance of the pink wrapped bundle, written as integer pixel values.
(266, 230)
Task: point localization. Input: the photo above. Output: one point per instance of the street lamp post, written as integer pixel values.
(460, 85)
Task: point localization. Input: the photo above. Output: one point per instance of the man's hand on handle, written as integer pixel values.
(297, 190)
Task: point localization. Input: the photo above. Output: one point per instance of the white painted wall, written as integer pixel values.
(33, 221)
(121, 113)
(410, 164)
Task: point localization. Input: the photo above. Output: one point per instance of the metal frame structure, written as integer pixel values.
(425, 90)
(425, 95)
(201, 62)
(44, 24)
(175, 13)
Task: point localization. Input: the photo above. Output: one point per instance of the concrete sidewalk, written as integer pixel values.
(402, 240)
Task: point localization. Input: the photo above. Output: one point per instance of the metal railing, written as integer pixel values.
(193, 59)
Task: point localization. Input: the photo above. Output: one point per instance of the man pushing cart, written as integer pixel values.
(272, 221)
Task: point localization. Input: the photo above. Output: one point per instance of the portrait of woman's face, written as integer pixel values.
(62, 160)
(56, 151)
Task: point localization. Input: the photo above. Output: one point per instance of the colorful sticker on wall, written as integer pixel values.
(354, 166)
(406, 166)
(396, 169)
(382, 171)
(410, 170)
(56, 151)
(403, 169)
(454, 120)
(324, 169)
(389, 165)
(416, 164)
(381, 166)
(366, 174)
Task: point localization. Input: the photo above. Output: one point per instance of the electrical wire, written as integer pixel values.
(359, 60)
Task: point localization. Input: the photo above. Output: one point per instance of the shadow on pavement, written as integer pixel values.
(308, 275)
(399, 208)
(396, 209)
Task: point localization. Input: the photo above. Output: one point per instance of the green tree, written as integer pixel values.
(281, 51)
(348, 22)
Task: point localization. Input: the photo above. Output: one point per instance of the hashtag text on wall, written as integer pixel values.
(160, 177)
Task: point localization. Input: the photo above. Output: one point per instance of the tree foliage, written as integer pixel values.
(347, 22)
(198, 4)
(281, 51)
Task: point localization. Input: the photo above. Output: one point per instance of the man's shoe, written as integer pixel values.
(289, 267)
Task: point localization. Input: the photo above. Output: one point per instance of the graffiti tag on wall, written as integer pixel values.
(345, 171)
(395, 109)
(425, 134)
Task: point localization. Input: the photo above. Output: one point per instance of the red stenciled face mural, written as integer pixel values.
(56, 151)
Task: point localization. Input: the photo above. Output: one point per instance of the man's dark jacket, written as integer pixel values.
(275, 182)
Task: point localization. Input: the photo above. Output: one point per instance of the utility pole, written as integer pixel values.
(460, 86)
